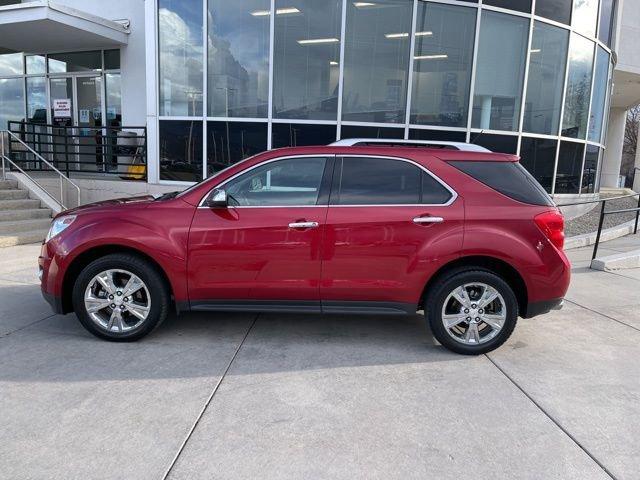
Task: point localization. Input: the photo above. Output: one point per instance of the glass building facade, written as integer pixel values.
(526, 77)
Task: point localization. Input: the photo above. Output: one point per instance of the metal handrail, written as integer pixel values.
(61, 175)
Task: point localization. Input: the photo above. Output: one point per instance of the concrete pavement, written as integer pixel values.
(296, 396)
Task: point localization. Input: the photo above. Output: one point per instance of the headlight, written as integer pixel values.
(59, 225)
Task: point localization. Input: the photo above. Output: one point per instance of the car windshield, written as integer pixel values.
(196, 185)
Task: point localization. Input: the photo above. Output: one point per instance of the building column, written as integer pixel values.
(613, 153)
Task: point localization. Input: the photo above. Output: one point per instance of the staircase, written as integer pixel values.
(22, 219)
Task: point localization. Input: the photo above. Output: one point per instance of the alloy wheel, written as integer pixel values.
(474, 313)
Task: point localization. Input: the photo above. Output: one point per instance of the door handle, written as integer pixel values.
(303, 225)
(428, 220)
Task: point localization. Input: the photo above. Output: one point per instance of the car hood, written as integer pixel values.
(141, 202)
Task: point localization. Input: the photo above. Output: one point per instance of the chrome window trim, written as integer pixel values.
(454, 194)
(271, 160)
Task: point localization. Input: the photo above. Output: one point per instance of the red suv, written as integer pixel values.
(357, 228)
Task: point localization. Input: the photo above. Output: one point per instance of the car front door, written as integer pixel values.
(390, 223)
(264, 247)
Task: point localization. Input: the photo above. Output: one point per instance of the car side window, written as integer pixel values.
(287, 182)
(385, 181)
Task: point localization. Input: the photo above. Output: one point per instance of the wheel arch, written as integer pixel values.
(91, 254)
(492, 264)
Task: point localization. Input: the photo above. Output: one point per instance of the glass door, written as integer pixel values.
(62, 118)
(89, 122)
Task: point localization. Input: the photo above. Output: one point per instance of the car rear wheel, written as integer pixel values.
(471, 311)
(120, 297)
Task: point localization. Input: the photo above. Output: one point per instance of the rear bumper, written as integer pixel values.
(538, 308)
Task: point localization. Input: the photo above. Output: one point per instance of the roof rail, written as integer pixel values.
(353, 142)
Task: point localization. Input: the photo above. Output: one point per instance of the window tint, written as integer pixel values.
(509, 178)
(382, 181)
(294, 181)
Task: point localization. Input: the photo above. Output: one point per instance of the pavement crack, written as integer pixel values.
(4, 335)
(602, 314)
(553, 419)
(209, 400)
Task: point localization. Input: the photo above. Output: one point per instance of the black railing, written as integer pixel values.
(111, 151)
(604, 212)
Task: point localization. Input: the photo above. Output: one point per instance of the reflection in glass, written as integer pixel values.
(37, 100)
(230, 142)
(441, 135)
(238, 58)
(355, 131)
(538, 156)
(585, 16)
(376, 58)
(306, 59)
(180, 25)
(519, 5)
(546, 79)
(590, 169)
(75, 62)
(607, 14)
(297, 135)
(114, 99)
(11, 64)
(569, 167)
(496, 143)
(558, 10)
(576, 101)
(180, 150)
(600, 85)
(11, 101)
(443, 55)
(500, 71)
(36, 64)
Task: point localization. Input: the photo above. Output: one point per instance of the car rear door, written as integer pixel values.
(390, 225)
(264, 248)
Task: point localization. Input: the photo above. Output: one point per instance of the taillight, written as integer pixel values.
(552, 225)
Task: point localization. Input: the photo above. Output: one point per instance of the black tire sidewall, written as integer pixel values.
(441, 290)
(139, 267)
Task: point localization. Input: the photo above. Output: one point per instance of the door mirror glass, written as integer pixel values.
(217, 198)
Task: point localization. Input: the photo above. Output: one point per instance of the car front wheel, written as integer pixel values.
(471, 311)
(120, 297)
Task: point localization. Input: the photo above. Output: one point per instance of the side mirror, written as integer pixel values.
(217, 199)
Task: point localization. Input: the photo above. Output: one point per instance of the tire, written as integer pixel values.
(493, 324)
(136, 314)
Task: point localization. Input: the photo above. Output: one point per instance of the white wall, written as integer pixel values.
(132, 55)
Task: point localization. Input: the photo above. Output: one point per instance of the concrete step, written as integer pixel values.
(32, 236)
(24, 214)
(11, 205)
(15, 227)
(8, 184)
(13, 194)
(618, 261)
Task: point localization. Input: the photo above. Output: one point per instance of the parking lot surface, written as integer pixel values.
(339, 397)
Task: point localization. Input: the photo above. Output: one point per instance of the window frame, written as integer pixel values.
(338, 171)
(325, 182)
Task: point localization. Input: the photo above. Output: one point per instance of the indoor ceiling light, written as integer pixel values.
(431, 57)
(279, 11)
(311, 41)
(363, 4)
(333, 63)
(535, 50)
(406, 34)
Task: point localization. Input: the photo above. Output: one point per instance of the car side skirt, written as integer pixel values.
(331, 307)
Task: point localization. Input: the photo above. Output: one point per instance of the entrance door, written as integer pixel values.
(89, 121)
(62, 116)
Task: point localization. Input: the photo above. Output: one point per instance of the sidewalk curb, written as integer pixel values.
(587, 239)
